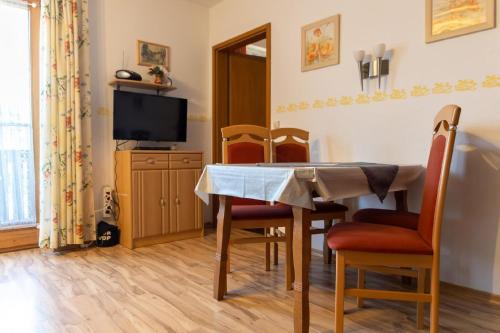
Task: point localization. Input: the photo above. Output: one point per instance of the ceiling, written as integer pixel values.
(206, 3)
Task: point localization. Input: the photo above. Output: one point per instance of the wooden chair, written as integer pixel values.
(250, 144)
(391, 247)
(289, 145)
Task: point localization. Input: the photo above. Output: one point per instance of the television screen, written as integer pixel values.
(149, 117)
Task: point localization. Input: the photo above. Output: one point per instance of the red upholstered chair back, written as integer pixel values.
(290, 145)
(436, 179)
(245, 144)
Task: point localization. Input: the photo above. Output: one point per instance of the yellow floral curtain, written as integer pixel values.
(67, 202)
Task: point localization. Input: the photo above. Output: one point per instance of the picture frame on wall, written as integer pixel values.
(152, 54)
(321, 43)
(452, 18)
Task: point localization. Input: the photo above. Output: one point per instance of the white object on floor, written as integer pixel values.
(107, 193)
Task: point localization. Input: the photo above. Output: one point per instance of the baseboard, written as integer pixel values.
(74, 247)
(168, 238)
(491, 297)
(18, 239)
(318, 253)
(18, 248)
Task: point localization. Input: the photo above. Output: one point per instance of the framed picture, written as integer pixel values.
(452, 18)
(151, 54)
(321, 43)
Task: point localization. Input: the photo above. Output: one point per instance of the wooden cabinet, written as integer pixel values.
(156, 196)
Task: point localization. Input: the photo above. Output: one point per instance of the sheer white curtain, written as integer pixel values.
(17, 171)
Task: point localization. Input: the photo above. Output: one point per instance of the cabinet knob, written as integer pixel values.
(186, 160)
(177, 201)
(150, 161)
(162, 202)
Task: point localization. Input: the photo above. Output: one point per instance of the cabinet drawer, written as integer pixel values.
(185, 161)
(149, 161)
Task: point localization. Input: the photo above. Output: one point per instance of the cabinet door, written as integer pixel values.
(147, 203)
(185, 207)
(166, 203)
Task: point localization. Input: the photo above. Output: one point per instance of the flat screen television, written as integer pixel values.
(145, 117)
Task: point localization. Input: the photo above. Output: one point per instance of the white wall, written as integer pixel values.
(396, 131)
(116, 25)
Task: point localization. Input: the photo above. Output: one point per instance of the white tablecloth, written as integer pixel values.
(293, 184)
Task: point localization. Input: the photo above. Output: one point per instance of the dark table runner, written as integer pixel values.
(380, 178)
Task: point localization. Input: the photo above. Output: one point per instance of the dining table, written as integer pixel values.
(298, 185)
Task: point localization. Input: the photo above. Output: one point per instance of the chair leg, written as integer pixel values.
(268, 252)
(327, 252)
(435, 298)
(339, 292)
(289, 257)
(275, 254)
(274, 232)
(361, 285)
(420, 305)
(428, 281)
(228, 264)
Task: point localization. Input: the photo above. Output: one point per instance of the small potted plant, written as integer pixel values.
(158, 73)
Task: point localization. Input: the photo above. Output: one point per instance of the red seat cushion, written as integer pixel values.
(369, 237)
(329, 206)
(260, 212)
(249, 202)
(387, 217)
(324, 207)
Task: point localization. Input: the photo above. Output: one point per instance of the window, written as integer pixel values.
(17, 156)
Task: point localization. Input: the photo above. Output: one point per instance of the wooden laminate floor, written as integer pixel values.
(168, 288)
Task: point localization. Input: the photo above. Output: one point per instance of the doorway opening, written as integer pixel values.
(241, 83)
(241, 86)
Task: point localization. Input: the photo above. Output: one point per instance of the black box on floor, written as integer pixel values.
(107, 234)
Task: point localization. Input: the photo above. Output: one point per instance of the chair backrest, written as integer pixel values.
(436, 179)
(245, 144)
(289, 145)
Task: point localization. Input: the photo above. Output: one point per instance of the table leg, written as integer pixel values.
(402, 206)
(401, 200)
(223, 235)
(301, 259)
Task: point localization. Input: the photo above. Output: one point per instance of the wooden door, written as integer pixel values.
(221, 104)
(185, 207)
(247, 90)
(147, 203)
